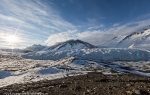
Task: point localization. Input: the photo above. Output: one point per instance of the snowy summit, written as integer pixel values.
(72, 44)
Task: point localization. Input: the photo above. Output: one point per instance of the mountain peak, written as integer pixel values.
(72, 44)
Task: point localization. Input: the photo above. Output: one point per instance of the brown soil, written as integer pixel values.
(91, 84)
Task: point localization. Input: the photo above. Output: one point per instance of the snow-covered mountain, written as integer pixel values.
(67, 45)
(36, 47)
(72, 44)
(80, 49)
(139, 39)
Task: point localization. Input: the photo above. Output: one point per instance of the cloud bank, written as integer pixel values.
(98, 37)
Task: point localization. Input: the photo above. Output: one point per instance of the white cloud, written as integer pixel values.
(96, 27)
(61, 37)
(97, 37)
(116, 24)
(93, 37)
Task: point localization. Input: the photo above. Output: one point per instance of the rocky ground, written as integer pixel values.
(93, 83)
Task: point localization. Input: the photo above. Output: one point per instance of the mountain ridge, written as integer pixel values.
(133, 40)
(72, 44)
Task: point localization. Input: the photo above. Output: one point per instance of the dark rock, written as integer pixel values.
(1, 93)
(63, 86)
(107, 80)
(144, 92)
(77, 88)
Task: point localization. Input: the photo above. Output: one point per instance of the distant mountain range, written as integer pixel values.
(79, 49)
(36, 47)
(139, 39)
(68, 45)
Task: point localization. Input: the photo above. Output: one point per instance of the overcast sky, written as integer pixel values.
(47, 22)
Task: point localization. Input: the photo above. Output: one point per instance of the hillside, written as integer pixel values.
(138, 39)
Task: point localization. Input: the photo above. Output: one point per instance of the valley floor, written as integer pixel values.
(93, 83)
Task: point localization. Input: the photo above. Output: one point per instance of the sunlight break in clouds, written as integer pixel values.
(39, 20)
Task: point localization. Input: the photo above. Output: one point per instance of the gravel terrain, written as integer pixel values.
(93, 83)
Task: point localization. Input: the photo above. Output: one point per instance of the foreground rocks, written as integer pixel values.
(91, 84)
